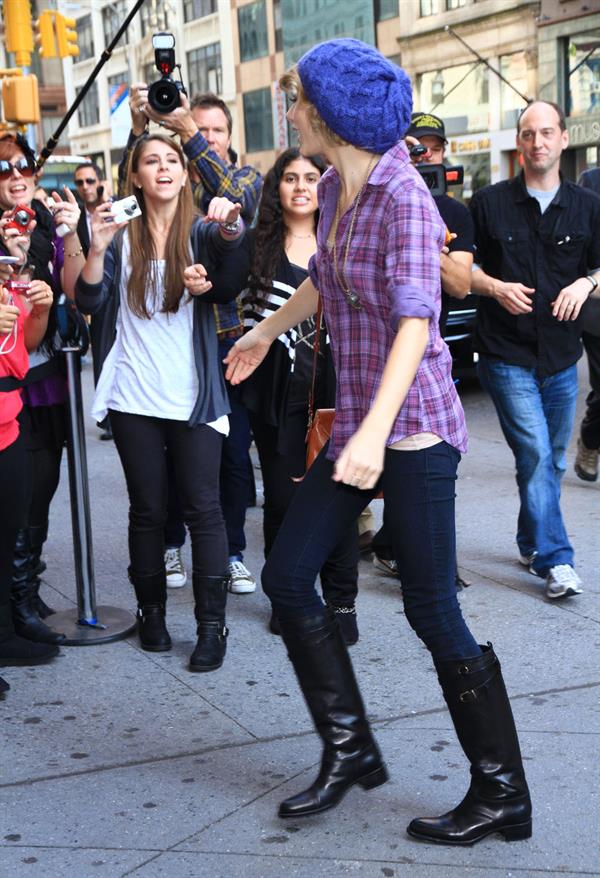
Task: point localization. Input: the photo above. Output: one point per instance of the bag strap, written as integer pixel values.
(311, 395)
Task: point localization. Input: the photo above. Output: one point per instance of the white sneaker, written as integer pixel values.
(242, 581)
(562, 582)
(527, 561)
(176, 575)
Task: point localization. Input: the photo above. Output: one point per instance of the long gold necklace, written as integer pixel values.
(352, 298)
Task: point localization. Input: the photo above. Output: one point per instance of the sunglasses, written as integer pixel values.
(23, 166)
(89, 180)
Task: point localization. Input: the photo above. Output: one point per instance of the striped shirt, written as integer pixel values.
(394, 266)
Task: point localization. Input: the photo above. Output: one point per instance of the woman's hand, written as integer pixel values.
(222, 210)
(40, 297)
(246, 355)
(9, 314)
(65, 210)
(196, 280)
(138, 99)
(361, 461)
(104, 228)
(17, 243)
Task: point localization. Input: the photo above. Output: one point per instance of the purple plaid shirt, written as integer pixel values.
(394, 266)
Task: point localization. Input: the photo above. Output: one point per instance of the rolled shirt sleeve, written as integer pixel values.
(415, 237)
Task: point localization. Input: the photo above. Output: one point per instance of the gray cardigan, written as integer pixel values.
(228, 277)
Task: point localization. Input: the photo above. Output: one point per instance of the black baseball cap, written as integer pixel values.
(422, 124)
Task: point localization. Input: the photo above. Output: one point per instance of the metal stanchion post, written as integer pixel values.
(88, 624)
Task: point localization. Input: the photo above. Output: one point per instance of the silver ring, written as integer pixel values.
(141, 108)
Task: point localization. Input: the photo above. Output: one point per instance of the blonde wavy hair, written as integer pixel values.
(291, 84)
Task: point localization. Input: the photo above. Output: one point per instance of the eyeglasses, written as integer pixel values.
(89, 180)
(23, 166)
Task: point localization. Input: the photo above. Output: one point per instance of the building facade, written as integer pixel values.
(475, 63)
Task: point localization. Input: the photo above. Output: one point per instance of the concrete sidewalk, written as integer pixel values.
(118, 762)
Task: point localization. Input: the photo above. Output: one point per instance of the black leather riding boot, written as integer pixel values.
(498, 797)
(26, 619)
(350, 755)
(38, 535)
(151, 594)
(210, 595)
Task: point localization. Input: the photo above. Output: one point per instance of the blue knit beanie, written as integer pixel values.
(362, 96)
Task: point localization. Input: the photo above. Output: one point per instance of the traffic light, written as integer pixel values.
(44, 34)
(66, 37)
(20, 99)
(18, 36)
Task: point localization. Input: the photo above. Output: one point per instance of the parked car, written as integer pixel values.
(459, 333)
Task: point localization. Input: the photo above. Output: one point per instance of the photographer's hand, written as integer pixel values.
(8, 314)
(180, 120)
(65, 210)
(16, 243)
(138, 100)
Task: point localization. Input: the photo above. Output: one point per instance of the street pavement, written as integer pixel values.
(118, 762)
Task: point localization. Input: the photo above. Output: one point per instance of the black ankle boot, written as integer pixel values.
(4, 686)
(346, 619)
(152, 628)
(350, 755)
(15, 652)
(26, 619)
(151, 594)
(37, 537)
(210, 594)
(498, 798)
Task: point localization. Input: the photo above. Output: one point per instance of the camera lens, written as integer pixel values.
(163, 96)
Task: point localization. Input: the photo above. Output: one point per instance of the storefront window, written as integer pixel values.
(582, 73)
(459, 95)
(477, 173)
(514, 69)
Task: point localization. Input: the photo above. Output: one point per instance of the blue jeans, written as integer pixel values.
(419, 514)
(536, 415)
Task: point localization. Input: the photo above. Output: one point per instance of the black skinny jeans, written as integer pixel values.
(14, 479)
(196, 453)
(339, 573)
(419, 497)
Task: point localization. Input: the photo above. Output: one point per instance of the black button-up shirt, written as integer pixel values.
(547, 251)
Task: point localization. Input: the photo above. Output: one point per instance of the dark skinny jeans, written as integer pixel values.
(419, 492)
(339, 574)
(196, 453)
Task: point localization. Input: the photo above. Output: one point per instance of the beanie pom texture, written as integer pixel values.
(362, 96)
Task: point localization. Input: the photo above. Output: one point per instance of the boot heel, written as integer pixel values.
(374, 779)
(517, 833)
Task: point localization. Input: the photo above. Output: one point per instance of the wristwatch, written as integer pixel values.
(235, 227)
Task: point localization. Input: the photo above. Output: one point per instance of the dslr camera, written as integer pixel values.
(163, 95)
(437, 177)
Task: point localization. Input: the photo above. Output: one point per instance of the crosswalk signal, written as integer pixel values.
(66, 36)
(44, 34)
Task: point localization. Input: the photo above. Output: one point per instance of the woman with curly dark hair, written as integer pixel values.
(277, 394)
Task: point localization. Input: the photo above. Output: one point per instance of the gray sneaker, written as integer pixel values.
(586, 462)
(562, 582)
(384, 566)
(176, 575)
(241, 580)
(527, 561)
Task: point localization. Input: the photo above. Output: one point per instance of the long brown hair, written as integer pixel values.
(142, 278)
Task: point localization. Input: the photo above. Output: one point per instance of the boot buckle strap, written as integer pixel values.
(468, 696)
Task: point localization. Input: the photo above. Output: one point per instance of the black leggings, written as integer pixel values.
(339, 573)
(196, 453)
(14, 479)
